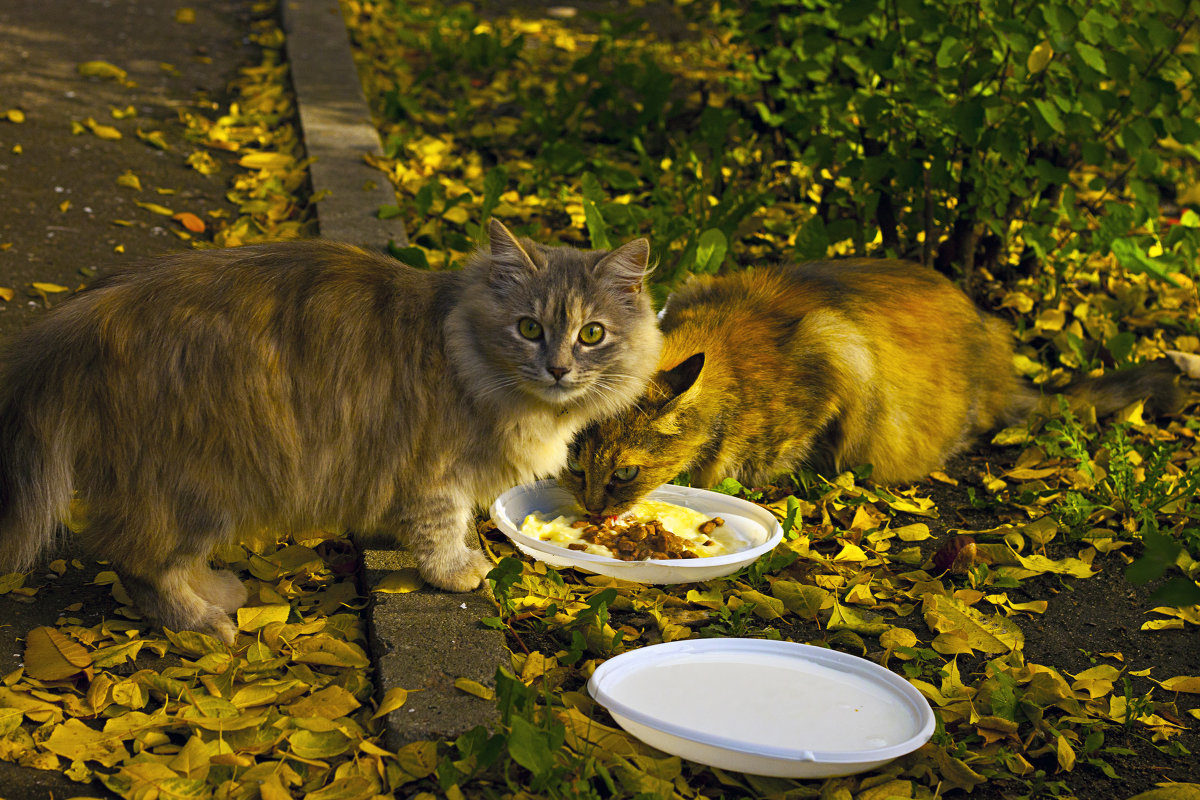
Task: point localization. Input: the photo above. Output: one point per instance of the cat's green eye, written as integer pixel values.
(529, 328)
(591, 333)
(625, 474)
(574, 466)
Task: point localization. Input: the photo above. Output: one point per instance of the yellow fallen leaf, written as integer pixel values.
(392, 699)
(1066, 755)
(15, 115)
(130, 181)
(319, 744)
(916, 532)
(989, 634)
(942, 477)
(64, 205)
(156, 208)
(49, 288)
(1063, 566)
(267, 161)
(252, 618)
(203, 163)
(897, 637)
(122, 113)
(153, 138)
(107, 132)
(51, 656)
(475, 687)
(1172, 791)
(328, 703)
(6, 294)
(850, 552)
(185, 16)
(1182, 683)
(802, 599)
(78, 742)
(324, 649)
(400, 581)
(103, 70)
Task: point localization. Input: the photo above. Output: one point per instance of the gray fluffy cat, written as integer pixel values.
(308, 384)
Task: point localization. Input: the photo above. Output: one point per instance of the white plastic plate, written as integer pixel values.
(767, 708)
(756, 526)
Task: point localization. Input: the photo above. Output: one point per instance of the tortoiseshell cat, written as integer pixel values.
(308, 384)
(827, 364)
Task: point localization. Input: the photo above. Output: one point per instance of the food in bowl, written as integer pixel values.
(651, 530)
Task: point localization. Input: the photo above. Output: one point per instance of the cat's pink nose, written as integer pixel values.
(558, 372)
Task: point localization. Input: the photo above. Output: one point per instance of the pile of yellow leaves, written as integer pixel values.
(178, 714)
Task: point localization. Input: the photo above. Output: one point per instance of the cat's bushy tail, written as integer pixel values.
(1151, 381)
(36, 464)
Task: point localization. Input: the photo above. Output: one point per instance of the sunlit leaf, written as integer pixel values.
(989, 634)
(50, 656)
(251, 618)
(393, 699)
(102, 69)
(78, 742)
(399, 582)
(475, 687)
(190, 221)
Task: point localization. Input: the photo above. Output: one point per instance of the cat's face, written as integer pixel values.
(616, 461)
(564, 326)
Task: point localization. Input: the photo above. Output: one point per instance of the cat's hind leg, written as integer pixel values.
(165, 570)
(181, 598)
(219, 587)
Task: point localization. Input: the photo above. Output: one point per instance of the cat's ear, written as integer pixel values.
(681, 377)
(508, 257)
(627, 265)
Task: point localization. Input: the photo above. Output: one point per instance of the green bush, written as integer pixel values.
(981, 133)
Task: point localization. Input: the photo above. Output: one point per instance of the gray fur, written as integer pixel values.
(307, 384)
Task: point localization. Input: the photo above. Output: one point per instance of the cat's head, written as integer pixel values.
(616, 461)
(571, 328)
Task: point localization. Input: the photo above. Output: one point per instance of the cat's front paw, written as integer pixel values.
(462, 574)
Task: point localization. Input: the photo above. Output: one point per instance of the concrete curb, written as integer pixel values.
(337, 128)
(425, 639)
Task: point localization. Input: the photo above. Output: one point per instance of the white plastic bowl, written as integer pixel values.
(757, 526)
(779, 709)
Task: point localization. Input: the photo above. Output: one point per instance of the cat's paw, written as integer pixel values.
(462, 574)
(220, 587)
(219, 625)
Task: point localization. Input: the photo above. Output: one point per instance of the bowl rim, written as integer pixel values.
(625, 662)
(511, 530)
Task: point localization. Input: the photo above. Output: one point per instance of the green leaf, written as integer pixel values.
(530, 747)
(1121, 346)
(1135, 259)
(1049, 113)
(1178, 592)
(728, 486)
(710, 251)
(593, 195)
(493, 186)
(812, 241)
(949, 52)
(1092, 57)
(412, 255)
